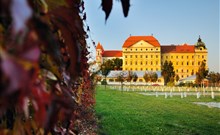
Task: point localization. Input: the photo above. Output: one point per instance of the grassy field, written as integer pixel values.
(129, 113)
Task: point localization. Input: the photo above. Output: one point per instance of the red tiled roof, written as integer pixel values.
(99, 46)
(178, 49)
(134, 39)
(112, 53)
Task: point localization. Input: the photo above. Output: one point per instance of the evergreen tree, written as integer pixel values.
(168, 72)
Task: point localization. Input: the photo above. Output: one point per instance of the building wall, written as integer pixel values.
(141, 56)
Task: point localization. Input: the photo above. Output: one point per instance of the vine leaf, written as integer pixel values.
(107, 7)
(125, 6)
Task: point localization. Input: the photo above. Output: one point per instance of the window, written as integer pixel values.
(187, 63)
(151, 69)
(146, 69)
(140, 56)
(192, 56)
(192, 63)
(146, 62)
(130, 56)
(171, 57)
(131, 63)
(135, 62)
(182, 63)
(140, 80)
(146, 49)
(125, 56)
(187, 57)
(198, 56)
(141, 68)
(177, 70)
(182, 57)
(146, 56)
(136, 56)
(151, 62)
(151, 56)
(187, 70)
(151, 49)
(135, 68)
(176, 63)
(136, 49)
(167, 57)
(157, 69)
(141, 49)
(130, 68)
(202, 56)
(125, 62)
(141, 62)
(177, 57)
(131, 49)
(125, 49)
(156, 56)
(182, 70)
(199, 63)
(156, 62)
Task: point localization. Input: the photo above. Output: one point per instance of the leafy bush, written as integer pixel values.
(104, 82)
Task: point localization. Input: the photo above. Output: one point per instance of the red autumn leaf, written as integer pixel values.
(69, 31)
(107, 7)
(125, 6)
(17, 74)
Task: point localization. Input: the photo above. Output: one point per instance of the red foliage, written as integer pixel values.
(43, 65)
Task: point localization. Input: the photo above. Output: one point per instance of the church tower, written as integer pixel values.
(99, 52)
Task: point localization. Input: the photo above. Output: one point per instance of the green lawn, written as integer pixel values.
(129, 113)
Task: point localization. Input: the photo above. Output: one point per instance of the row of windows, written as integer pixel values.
(143, 69)
(185, 63)
(185, 71)
(157, 56)
(187, 57)
(142, 63)
(142, 56)
(156, 63)
(141, 49)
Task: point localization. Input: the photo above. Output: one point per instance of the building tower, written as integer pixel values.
(201, 53)
(99, 52)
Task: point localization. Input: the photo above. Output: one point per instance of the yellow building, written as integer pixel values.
(144, 53)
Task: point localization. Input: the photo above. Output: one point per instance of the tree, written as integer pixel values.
(168, 72)
(117, 63)
(135, 77)
(202, 73)
(45, 84)
(154, 77)
(146, 77)
(121, 78)
(106, 68)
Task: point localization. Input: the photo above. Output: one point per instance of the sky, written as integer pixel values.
(169, 21)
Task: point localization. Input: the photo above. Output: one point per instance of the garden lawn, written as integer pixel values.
(130, 113)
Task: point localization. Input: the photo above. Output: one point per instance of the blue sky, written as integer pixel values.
(170, 21)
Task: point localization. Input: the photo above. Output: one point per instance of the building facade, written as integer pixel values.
(144, 53)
